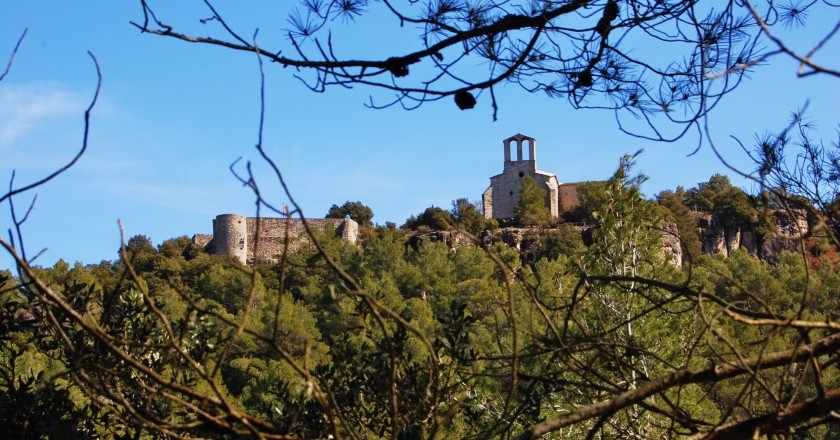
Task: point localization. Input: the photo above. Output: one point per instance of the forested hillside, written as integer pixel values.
(731, 331)
(388, 340)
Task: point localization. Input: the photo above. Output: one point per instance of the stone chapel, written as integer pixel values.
(502, 196)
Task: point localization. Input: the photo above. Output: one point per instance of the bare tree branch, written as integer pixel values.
(717, 372)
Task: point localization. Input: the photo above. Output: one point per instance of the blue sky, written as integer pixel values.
(173, 116)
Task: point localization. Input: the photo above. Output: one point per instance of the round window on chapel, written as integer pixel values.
(521, 174)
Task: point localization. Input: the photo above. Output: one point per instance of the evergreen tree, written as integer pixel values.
(467, 216)
(718, 196)
(591, 195)
(532, 209)
(624, 315)
(357, 211)
(431, 219)
(679, 213)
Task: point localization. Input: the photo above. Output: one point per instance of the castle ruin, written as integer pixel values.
(236, 235)
(502, 196)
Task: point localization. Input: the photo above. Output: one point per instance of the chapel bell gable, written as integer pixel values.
(500, 199)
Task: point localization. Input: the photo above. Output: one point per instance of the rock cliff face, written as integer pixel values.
(721, 235)
(531, 247)
(671, 244)
(718, 234)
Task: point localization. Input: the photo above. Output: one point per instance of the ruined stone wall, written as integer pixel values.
(273, 233)
(550, 182)
(237, 236)
(202, 240)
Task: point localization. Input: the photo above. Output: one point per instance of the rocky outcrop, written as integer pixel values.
(452, 239)
(782, 230)
(533, 243)
(718, 234)
(671, 245)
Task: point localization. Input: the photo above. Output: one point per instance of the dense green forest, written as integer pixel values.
(384, 340)
(593, 334)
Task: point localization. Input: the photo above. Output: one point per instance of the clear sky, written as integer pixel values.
(173, 116)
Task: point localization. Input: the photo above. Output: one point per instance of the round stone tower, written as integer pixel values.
(230, 236)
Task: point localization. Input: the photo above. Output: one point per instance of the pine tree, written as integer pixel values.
(531, 209)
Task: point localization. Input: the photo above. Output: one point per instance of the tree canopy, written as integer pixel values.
(719, 196)
(680, 214)
(358, 341)
(432, 218)
(357, 211)
(469, 217)
(610, 340)
(531, 209)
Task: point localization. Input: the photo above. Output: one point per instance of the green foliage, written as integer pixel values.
(787, 288)
(181, 246)
(631, 318)
(551, 244)
(719, 196)
(227, 285)
(34, 406)
(140, 244)
(357, 211)
(380, 341)
(591, 195)
(432, 219)
(532, 208)
(608, 341)
(467, 216)
(680, 214)
(627, 237)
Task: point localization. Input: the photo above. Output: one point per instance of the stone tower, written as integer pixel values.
(261, 240)
(230, 236)
(503, 194)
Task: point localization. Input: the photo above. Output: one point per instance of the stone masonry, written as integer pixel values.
(236, 235)
(502, 196)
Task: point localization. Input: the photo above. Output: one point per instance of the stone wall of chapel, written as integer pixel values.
(500, 199)
(505, 188)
